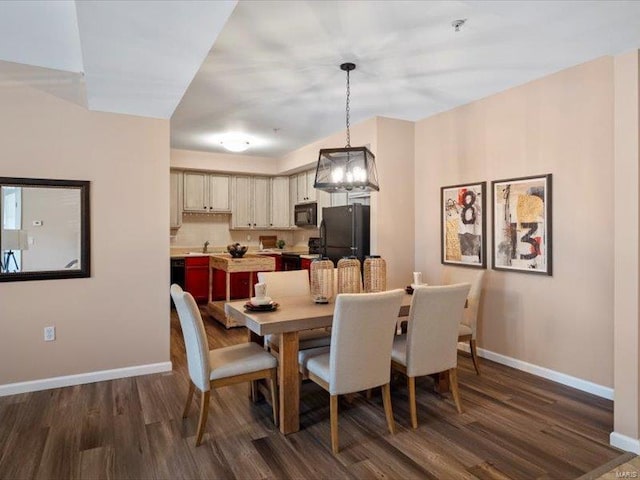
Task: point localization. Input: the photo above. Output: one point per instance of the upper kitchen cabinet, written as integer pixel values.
(304, 183)
(251, 202)
(175, 196)
(280, 205)
(206, 193)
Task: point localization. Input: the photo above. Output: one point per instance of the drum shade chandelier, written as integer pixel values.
(349, 168)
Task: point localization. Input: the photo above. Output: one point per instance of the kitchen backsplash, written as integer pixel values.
(197, 229)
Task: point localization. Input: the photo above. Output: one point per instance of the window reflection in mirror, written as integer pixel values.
(45, 229)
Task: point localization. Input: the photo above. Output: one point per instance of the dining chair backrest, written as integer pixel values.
(453, 275)
(361, 340)
(432, 335)
(195, 337)
(289, 283)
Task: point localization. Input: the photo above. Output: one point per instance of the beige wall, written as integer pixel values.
(120, 316)
(627, 228)
(222, 162)
(392, 228)
(561, 124)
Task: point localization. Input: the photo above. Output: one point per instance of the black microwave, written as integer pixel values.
(306, 214)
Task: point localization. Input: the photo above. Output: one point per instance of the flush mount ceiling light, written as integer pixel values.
(349, 168)
(235, 144)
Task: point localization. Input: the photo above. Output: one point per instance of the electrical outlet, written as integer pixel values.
(49, 334)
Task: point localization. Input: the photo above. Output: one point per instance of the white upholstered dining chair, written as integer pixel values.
(219, 367)
(468, 327)
(360, 353)
(292, 283)
(431, 342)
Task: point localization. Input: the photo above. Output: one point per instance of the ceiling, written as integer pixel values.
(269, 69)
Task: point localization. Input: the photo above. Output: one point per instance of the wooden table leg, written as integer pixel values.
(289, 383)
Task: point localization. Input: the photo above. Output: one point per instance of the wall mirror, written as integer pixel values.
(45, 229)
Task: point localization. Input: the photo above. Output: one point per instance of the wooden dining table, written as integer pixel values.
(294, 314)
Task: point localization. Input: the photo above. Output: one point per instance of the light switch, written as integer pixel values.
(30, 241)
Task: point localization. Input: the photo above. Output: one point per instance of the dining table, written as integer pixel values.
(293, 315)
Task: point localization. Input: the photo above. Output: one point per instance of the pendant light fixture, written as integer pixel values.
(349, 168)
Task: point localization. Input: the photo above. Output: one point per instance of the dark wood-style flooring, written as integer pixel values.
(514, 426)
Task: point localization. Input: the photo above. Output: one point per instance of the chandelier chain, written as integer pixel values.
(348, 111)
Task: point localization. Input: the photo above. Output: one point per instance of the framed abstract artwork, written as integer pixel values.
(463, 225)
(522, 224)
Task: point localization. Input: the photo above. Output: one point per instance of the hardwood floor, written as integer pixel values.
(514, 425)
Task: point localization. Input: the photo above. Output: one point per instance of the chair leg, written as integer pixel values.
(474, 355)
(273, 385)
(411, 385)
(369, 393)
(388, 411)
(453, 380)
(334, 423)
(204, 412)
(192, 388)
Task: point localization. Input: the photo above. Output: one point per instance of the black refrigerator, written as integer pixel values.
(344, 232)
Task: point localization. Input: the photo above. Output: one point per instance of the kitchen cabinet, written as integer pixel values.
(293, 198)
(280, 203)
(175, 195)
(324, 200)
(206, 193)
(304, 183)
(196, 277)
(251, 202)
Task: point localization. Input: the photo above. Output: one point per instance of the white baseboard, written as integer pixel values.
(563, 378)
(82, 378)
(625, 443)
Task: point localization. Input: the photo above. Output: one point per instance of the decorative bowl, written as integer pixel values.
(236, 250)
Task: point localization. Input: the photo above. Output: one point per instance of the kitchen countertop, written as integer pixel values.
(183, 252)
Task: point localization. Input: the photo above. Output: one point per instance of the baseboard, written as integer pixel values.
(82, 378)
(563, 378)
(625, 443)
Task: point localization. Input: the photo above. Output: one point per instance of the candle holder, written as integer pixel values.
(349, 277)
(321, 273)
(375, 274)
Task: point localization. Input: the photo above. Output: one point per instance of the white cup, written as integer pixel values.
(417, 278)
(260, 289)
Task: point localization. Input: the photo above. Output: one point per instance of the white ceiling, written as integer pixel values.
(137, 57)
(274, 64)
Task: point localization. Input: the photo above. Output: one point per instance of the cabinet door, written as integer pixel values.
(293, 199)
(241, 202)
(324, 200)
(261, 202)
(219, 286)
(176, 199)
(219, 193)
(280, 202)
(311, 192)
(240, 285)
(196, 280)
(196, 192)
(301, 181)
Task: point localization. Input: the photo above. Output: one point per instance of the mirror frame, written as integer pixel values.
(85, 230)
